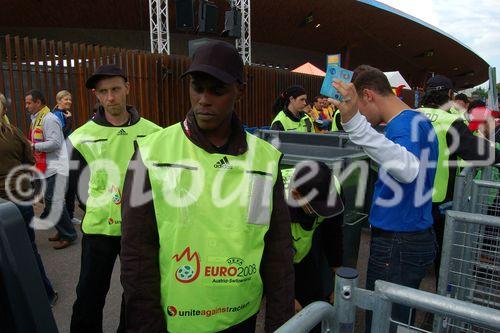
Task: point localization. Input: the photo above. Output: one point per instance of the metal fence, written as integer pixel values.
(470, 264)
(348, 297)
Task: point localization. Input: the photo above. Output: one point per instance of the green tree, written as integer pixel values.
(480, 93)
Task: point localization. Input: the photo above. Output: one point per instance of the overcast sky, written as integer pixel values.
(476, 23)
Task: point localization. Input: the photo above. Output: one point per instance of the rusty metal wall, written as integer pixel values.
(156, 89)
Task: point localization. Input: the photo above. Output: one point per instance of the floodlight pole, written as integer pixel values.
(493, 91)
(244, 44)
(158, 26)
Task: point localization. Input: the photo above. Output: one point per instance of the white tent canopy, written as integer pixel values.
(396, 80)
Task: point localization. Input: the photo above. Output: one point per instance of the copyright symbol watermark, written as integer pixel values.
(18, 185)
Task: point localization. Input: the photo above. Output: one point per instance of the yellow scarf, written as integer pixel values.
(36, 135)
(36, 128)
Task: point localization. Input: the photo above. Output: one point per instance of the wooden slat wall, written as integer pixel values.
(156, 88)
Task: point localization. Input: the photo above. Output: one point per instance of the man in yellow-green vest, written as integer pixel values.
(316, 213)
(214, 236)
(289, 107)
(456, 142)
(336, 122)
(104, 146)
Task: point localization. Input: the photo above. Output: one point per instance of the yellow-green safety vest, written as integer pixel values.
(334, 123)
(302, 238)
(107, 151)
(441, 122)
(304, 125)
(212, 212)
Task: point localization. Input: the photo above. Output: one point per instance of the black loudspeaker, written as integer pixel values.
(232, 24)
(184, 14)
(209, 17)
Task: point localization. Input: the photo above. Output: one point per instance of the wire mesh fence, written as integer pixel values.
(470, 266)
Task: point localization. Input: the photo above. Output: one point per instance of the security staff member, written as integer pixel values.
(105, 145)
(449, 129)
(216, 235)
(316, 214)
(290, 115)
(336, 122)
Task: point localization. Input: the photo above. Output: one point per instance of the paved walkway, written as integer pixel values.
(63, 268)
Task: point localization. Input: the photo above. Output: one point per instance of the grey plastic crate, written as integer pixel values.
(334, 149)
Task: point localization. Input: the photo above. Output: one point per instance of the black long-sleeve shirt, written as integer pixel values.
(467, 148)
(330, 232)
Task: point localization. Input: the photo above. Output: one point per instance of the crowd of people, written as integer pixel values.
(206, 221)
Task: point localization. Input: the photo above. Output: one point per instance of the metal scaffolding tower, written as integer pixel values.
(158, 26)
(160, 34)
(244, 44)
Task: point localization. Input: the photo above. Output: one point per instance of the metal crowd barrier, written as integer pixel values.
(470, 260)
(348, 297)
(464, 184)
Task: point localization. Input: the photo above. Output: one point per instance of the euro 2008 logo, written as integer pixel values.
(186, 273)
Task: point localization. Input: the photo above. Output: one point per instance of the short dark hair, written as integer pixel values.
(435, 99)
(368, 77)
(36, 95)
(462, 97)
(317, 97)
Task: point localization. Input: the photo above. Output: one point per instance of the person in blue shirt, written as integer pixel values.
(61, 111)
(403, 243)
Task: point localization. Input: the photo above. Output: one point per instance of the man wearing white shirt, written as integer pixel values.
(51, 161)
(403, 243)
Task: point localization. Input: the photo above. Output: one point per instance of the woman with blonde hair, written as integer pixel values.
(16, 152)
(61, 110)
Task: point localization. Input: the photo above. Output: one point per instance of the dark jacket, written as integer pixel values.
(15, 151)
(468, 150)
(329, 231)
(140, 274)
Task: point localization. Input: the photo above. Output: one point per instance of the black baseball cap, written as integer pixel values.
(323, 182)
(438, 83)
(103, 72)
(218, 59)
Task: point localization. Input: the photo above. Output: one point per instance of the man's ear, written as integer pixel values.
(367, 95)
(127, 85)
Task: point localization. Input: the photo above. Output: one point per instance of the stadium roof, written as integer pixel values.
(364, 31)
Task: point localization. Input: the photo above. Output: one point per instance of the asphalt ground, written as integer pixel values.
(63, 268)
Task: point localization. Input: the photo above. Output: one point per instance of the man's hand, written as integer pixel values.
(349, 105)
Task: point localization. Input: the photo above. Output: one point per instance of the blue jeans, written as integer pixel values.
(54, 199)
(28, 214)
(401, 258)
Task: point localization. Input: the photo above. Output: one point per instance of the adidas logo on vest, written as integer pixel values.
(122, 132)
(223, 164)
